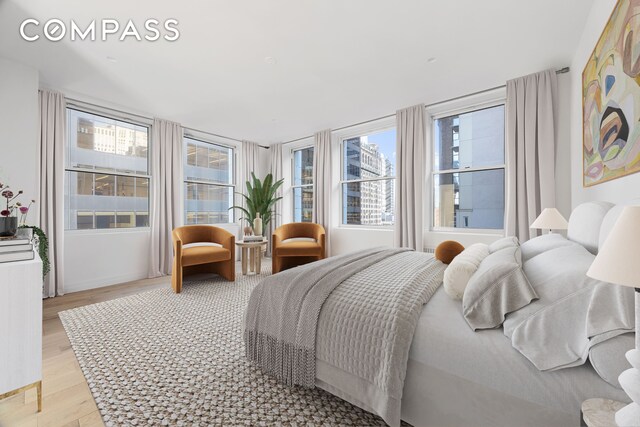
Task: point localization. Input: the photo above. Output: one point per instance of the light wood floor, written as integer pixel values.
(67, 400)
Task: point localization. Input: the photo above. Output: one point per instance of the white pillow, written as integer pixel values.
(299, 239)
(505, 242)
(458, 273)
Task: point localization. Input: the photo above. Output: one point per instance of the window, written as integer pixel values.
(303, 185)
(107, 177)
(208, 182)
(368, 184)
(469, 168)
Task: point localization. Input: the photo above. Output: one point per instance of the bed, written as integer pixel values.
(458, 377)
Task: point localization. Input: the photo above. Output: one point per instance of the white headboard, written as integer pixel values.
(591, 222)
(585, 223)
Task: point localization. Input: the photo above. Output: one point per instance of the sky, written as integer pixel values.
(386, 141)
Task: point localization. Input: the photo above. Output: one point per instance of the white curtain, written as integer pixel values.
(275, 152)
(530, 150)
(166, 193)
(410, 176)
(53, 131)
(322, 182)
(249, 162)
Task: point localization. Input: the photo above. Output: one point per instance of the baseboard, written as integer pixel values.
(102, 282)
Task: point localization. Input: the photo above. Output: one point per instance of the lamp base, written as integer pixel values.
(630, 379)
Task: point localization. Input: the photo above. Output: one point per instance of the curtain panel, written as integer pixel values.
(166, 201)
(322, 183)
(410, 176)
(53, 139)
(530, 150)
(275, 152)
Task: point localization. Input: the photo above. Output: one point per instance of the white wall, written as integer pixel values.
(563, 146)
(617, 190)
(98, 258)
(19, 140)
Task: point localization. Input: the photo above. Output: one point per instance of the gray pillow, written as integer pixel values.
(497, 288)
(505, 242)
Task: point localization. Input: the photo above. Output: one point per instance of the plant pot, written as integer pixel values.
(8, 226)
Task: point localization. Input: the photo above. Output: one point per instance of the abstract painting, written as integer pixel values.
(611, 99)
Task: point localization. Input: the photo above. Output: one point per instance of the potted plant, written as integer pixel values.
(8, 215)
(259, 199)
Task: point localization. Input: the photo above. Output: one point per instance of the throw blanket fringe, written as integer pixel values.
(279, 359)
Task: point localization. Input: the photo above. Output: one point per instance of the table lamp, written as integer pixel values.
(550, 219)
(617, 262)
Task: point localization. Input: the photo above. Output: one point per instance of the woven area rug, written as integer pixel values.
(158, 358)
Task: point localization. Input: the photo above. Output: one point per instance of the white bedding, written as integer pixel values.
(573, 312)
(451, 367)
(454, 366)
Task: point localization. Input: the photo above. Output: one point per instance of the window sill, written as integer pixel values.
(110, 230)
(468, 231)
(364, 227)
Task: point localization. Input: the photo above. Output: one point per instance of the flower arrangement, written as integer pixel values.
(17, 207)
(10, 197)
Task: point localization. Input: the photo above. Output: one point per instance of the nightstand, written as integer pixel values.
(600, 412)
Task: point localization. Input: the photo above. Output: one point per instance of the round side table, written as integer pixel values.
(600, 412)
(251, 255)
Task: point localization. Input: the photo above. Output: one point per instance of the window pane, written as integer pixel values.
(469, 200)
(369, 156)
(368, 203)
(97, 142)
(302, 204)
(208, 204)
(303, 166)
(105, 201)
(208, 162)
(470, 140)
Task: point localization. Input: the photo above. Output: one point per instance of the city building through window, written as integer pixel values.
(303, 185)
(469, 170)
(107, 173)
(368, 179)
(208, 182)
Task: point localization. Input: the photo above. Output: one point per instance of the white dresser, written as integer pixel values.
(21, 327)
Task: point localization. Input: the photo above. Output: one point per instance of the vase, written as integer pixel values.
(8, 226)
(25, 233)
(257, 225)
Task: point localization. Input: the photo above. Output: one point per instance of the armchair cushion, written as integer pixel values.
(196, 255)
(299, 239)
(299, 249)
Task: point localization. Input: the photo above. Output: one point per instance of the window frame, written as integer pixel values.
(500, 100)
(110, 115)
(232, 185)
(378, 126)
(293, 186)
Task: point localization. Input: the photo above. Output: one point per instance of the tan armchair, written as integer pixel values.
(188, 259)
(287, 254)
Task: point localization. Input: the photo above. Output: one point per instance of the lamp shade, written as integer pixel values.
(617, 260)
(550, 219)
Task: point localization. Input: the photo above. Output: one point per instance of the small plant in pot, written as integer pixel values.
(8, 215)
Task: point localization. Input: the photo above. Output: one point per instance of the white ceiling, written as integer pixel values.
(338, 62)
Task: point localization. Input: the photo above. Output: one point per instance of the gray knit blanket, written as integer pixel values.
(356, 312)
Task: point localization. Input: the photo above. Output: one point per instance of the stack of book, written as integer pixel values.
(251, 239)
(15, 249)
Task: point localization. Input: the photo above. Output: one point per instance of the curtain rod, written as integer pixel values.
(80, 103)
(435, 104)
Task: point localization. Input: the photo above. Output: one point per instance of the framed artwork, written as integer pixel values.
(611, 99)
